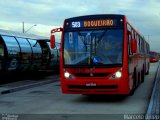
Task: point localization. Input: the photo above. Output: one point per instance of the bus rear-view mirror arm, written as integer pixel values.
(52, 37)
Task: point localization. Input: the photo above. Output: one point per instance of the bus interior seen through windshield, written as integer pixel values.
(93, 47)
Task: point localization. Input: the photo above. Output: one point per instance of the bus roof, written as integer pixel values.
(96, 16)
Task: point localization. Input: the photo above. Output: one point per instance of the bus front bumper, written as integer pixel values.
(95, 87)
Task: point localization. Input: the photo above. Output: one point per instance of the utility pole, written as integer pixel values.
(23, 27)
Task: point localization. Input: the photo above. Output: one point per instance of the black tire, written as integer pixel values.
(134, 85)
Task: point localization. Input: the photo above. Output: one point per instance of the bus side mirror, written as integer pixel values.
(133, 46)
(52, 41)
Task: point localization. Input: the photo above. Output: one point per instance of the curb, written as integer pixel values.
(154, 91)
(15, 89)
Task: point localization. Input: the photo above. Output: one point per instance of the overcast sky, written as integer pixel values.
(47, 14)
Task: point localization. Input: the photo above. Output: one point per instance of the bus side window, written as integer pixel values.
(130, 37)
(133, 34)
(129, 34)
(129, 44)
(139, 44)
(143, 49)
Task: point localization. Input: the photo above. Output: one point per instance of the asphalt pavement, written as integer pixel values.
(153, 111)
(27, 84)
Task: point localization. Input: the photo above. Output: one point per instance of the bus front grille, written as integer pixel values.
(93, 87)
(92, 74)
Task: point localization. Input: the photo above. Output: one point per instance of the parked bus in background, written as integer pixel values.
(101, 54)
(154, 57)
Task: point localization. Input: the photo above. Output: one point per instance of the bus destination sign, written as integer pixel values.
(98, 23)
(92, 23)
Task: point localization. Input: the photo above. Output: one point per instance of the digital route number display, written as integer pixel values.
(91, 23)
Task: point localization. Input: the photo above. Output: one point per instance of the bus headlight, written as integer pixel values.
(68, 75)
(117, 74)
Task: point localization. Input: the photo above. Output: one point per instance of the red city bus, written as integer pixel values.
(154, 57)
(101, 54)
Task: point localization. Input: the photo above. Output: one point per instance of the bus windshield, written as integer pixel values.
(93, 47)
